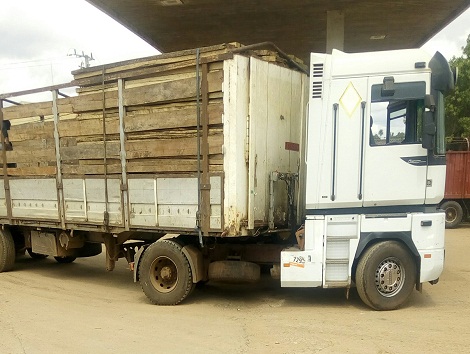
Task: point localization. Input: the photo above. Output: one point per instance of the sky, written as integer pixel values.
(38, 39)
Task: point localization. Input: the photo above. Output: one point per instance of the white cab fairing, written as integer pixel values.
(345, 168)
(331, 244)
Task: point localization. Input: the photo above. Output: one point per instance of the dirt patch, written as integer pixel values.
(48, 307)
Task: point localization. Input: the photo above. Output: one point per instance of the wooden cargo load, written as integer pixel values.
(207, 138)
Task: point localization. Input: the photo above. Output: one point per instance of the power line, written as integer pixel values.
(47, 62)
(37, 60)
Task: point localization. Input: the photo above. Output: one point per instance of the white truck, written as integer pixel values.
(354, 153)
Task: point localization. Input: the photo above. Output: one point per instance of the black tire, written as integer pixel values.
(454, 213)
(234, 272)
(35, 255)
(65, 260)
(7, 251)
(165, 274)
(385, 275)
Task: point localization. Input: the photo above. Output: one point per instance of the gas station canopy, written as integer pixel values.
(296, 26)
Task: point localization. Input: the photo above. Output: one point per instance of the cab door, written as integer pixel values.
(395, 166)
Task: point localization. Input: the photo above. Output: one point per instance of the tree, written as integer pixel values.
(457, 102)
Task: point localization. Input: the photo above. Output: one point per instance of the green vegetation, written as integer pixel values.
(458, 100)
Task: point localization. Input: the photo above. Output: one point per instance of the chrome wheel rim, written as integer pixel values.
(389, 277)
(451, 214)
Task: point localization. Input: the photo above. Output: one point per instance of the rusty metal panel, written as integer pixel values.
(457, 181)
(466, 176)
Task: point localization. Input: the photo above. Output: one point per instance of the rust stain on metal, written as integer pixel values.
(292, 146)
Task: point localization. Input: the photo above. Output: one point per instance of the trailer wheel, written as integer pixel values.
(385, 275)
(65, 260)
(234, 272)
(35, 255)
(7, 251)
(165, 273)
(454, 213)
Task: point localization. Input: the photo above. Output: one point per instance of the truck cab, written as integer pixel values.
(375, 173)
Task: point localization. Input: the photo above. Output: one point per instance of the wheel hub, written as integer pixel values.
(451, 214)
(389, 277)
(164, 274)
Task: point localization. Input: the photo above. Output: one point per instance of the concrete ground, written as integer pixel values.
(46, 307)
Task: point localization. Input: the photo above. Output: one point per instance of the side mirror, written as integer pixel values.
(429, 102)
(429, 130)
(388, 88)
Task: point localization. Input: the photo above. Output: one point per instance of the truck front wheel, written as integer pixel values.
(165, 273)
(385, 275)
(7, 251)
(454, 213)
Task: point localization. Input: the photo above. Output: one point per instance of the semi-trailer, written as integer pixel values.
(203, 165)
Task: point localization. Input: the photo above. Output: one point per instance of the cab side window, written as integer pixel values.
(397, 119)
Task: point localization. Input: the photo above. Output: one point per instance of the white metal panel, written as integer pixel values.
(279, 98)
(276, 114)
(435, 187)
(299, 112)
(95, 194)
(142, 199)
(337, 272)
(384, 63)
(341, 240)
(305, 268)
(389, 165)
(3, 202)
(34, 198)
(171, 202)
(298, 269)
(428, 233)
(342, 225)
(258, 174)
(177, 200)
(75, 201)
(85, 200)
(337, 249)
(318, 137)
(216, 202)
(335, 167)
(236, 99)
(216, 217)
(409, 179)
(315, 228)
(176, 191)
(386, 224)
(179, 216)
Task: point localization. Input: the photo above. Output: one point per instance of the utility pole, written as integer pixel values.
(87, 58)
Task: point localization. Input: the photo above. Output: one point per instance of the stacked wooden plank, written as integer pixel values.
(160, 119)
(160, 123)
(32, 138)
